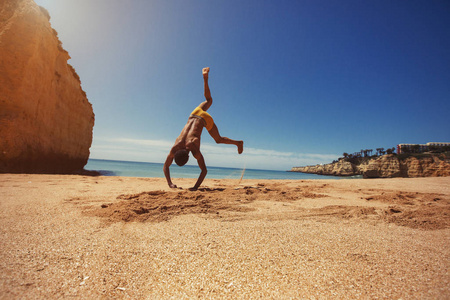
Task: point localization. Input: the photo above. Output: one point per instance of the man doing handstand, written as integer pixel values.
(189, 139)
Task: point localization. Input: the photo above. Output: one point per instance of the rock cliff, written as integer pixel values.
(46, 120)
(382, 167)
(340, 168)
(386, 166)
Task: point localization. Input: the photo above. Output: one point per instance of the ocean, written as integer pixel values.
(145, 169)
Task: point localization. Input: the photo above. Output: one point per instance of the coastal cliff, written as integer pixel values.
(46, 120)
(386, 166)
(340, 168)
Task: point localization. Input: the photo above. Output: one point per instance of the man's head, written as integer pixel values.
(181, 157)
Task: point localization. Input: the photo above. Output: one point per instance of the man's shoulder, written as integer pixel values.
(177, 146)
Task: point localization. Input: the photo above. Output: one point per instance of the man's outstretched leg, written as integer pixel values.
(214, 132)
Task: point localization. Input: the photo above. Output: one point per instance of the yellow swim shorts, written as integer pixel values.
(200, 113)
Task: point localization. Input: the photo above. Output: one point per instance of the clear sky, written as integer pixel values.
(299, 81)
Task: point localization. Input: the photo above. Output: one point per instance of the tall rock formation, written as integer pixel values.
(46, 121)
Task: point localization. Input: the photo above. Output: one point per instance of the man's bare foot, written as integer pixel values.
(240, 146)
(205, 71)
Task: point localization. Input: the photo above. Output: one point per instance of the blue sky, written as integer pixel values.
(300, 82)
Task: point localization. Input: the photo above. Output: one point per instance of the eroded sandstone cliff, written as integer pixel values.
(46, 121)
(340, 168)
(386, 166)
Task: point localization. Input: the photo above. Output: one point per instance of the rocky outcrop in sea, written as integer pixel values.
(386, 166)
(46, 120)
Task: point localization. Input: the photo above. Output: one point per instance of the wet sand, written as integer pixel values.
(114, 237)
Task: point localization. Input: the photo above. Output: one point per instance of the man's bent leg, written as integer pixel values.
(214, 132)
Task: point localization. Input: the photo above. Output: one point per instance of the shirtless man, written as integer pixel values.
(189, 139)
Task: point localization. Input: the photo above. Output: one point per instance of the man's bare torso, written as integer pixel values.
(190, 135)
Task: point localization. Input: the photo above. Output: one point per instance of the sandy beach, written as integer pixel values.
(67, 236)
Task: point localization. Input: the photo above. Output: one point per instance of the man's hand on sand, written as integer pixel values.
(205, 71)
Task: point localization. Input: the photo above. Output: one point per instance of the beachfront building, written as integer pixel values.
(420, 148)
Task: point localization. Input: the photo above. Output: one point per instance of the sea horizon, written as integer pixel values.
(108, 167)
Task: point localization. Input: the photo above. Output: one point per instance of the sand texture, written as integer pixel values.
(115, 237)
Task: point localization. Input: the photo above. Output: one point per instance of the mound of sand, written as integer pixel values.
(412, 209)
